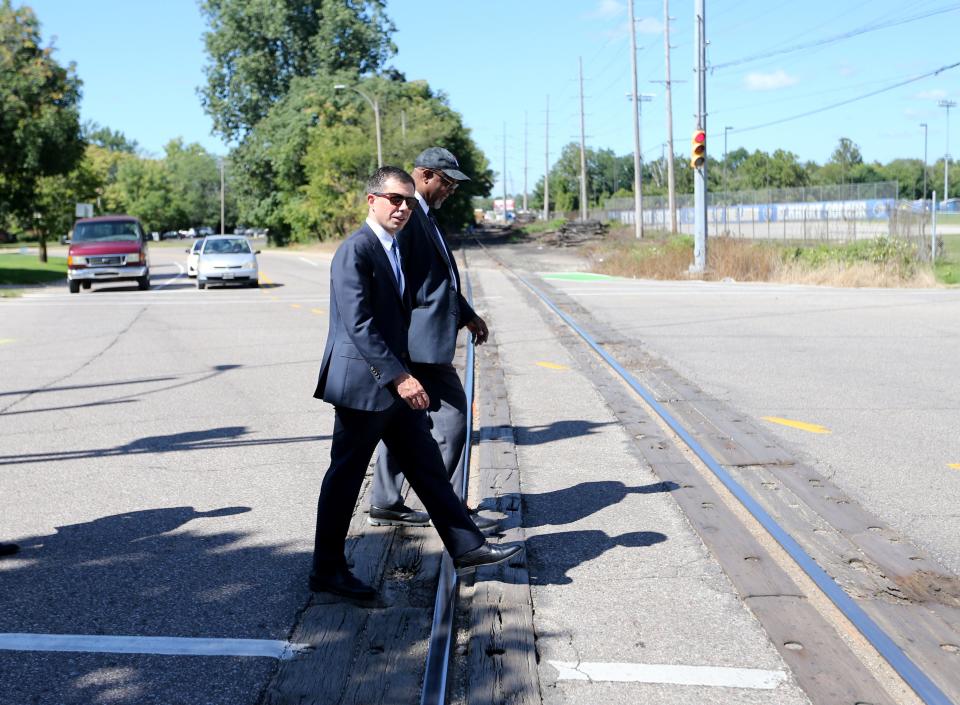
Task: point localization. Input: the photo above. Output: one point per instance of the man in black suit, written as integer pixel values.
(439, 312)
(365, 374)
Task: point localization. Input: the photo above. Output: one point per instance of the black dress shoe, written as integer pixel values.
(486, 526)
(8, 549)
(397, 516)
(342, 582)
(485, 554)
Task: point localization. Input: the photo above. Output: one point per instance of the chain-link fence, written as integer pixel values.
(839, 212)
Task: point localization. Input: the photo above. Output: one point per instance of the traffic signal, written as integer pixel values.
(698, 149)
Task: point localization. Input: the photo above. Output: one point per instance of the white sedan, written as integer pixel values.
(227, 259)
(193, 257)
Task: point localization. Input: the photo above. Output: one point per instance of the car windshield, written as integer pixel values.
(107, 231)
(227, 247)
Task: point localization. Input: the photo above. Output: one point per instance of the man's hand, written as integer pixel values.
(411, 391)
(479, 330)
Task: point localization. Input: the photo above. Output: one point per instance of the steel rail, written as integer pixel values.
(434, 691)
(922, 685)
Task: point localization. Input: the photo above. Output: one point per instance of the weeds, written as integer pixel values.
(881, 262)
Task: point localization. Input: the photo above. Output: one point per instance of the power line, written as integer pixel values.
(836, 38)
(851, 100)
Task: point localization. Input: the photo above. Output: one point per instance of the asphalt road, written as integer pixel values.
(161, 454)
(877, 369)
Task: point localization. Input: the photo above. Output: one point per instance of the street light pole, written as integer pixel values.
(376, 116)
(946, 155)
(923, 196)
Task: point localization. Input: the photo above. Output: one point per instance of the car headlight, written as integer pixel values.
(252, 264)
(133, 258)
(75, 261)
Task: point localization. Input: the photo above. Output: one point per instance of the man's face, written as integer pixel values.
(435, 186)
(391, 207)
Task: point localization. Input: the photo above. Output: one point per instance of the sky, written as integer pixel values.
(776, 67)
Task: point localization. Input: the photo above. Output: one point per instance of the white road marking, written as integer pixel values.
(162, 645)
(170, 281)
(715, 676)
(304, 259)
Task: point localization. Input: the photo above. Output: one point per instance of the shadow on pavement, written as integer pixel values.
(167, 572)
(570, 504)
(558, 430)
(551, 556)
(224, 437)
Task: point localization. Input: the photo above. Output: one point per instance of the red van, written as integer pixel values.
(110, 248)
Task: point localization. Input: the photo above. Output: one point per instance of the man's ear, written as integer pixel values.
(370, 199)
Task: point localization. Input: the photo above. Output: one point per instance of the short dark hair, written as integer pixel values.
(379, 178)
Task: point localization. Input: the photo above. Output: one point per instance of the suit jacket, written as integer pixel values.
(439, 310)
(367, 341)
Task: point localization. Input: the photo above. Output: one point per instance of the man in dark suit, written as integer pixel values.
(365, 374)
(439, 312)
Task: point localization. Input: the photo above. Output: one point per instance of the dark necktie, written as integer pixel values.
(395, 261)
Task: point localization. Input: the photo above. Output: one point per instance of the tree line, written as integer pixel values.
(611, 176)
(280, 83)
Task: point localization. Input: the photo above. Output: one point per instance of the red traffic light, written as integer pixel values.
(698, 149)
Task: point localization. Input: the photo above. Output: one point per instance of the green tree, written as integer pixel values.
(39, 122)
(301, 170)
(113, 140)
(194, 177)
(257, 47)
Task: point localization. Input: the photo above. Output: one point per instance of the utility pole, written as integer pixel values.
(504, 172)
(923, 196)
(583, 156)
(637, 173)
(222, 200)
(524, 161)
(946, 155)
(700, 174)
(725, 187)
(671, 180)
(546, 165)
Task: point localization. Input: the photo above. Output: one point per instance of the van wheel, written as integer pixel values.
(143, 283)
(74, 286)
(86, 285)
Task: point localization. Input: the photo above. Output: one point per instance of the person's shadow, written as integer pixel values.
(551, 556)
(571, 504)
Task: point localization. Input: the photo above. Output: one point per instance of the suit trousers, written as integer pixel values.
(447, 416)
(406, 433)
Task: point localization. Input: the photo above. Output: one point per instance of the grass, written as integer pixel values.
(882, 262)
(948, 268)
(27, 269)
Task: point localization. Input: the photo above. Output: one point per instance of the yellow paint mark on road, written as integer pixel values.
(955, 466)
(6, 341)
(294, 305)
(802, 425)
(552, 366)
(318, 311)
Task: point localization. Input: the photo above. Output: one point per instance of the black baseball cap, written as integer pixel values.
(440, 159)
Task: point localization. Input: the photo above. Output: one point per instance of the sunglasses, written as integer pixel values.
(447, 181)
(396, 199)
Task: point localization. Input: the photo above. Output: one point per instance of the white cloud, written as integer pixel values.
(935, 94)
(769, 81)
(607, 9)
(649, 25)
